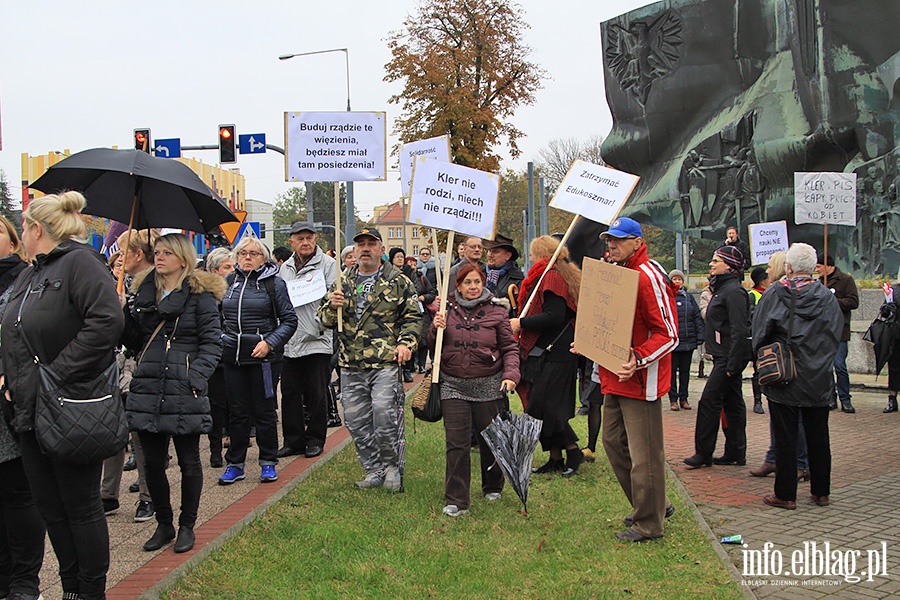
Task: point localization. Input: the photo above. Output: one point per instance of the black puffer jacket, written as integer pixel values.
(168, 389)
(691, 330)
(250, 315)
(72, 318)
(728, 322)
(815, 335)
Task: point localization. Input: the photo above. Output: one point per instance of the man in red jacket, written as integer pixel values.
(632, 425)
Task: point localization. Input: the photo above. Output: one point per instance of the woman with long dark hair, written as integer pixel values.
(548, 368)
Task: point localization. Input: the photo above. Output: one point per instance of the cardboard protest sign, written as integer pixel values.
(825, 198)
(453, 197)
(335, 146)
(437, 148)
(606, 306)
(766, 239)
(593, 191)
(309, 287)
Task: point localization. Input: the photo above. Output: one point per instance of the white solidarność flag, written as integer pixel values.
(437, 148)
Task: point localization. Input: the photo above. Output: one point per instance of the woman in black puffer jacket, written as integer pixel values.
(175, 320)
(259, 320)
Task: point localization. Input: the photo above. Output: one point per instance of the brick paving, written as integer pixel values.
(862, 515)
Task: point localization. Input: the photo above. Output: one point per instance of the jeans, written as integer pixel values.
(304, 383)
(246, 399)
(785, 421)
(459, 417)
(68, 500)
(21, 532)
(681, 375)
(156, 451)
(842, 376)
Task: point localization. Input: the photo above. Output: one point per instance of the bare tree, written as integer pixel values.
(554, 160)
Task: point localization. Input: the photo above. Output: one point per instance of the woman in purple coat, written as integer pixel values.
(479, 365)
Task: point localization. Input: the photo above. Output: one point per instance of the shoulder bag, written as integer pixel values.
(77, 422)
(775, 361)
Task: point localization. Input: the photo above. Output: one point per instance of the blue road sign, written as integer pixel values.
(170, 148)
(254, 228)
(252, 143)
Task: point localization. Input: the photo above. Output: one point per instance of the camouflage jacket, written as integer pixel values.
(391, 318)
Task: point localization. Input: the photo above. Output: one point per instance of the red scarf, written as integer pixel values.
(552, 282)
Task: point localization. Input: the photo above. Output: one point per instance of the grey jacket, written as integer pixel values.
(311, 336)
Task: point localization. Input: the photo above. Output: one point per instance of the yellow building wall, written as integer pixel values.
(227, 183)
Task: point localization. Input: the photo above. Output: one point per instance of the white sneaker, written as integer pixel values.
(492, 496)
(372, 480)
(452, 510)
(392, 479)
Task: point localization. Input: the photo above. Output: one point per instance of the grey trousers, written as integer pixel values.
(371, 400)
(112, 472)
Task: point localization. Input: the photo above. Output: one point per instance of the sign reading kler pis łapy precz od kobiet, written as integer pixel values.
(335, 146)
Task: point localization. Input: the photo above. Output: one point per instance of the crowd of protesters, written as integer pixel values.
(203, 346)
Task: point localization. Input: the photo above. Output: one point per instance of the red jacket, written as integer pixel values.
(477, 344)
(654, 335)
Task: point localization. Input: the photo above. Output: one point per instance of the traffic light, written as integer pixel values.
(227, 140)
(142, 140)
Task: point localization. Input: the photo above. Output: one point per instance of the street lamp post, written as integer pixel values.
(350, 215)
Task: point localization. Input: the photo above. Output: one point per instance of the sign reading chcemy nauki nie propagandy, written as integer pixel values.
(335, 146)
(455, 198)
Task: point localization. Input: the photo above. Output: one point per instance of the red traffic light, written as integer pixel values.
(227, 149)
(226, 133)
(142, 140)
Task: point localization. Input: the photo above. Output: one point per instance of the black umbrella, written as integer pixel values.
(884, 332)
(512, 438)
(139, 189)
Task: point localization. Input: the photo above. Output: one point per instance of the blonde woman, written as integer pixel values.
(73, 320)
(548, 368)
(174, 321)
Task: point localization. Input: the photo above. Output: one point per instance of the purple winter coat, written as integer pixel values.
(478, 342)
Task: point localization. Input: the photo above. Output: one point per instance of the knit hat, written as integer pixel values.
(759, 275)
(732, 257)
(676, 273)
(394, 252)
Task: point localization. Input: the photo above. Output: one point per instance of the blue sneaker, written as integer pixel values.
(268, 474)
(231, 475)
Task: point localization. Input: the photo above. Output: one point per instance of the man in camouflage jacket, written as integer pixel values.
(381, 323)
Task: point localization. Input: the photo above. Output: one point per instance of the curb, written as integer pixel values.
(163, 584)
(710, 536)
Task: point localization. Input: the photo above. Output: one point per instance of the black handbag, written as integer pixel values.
(78, 422)
(775, 361)
(426, 402)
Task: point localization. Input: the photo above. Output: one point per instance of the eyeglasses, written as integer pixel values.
(424, 253)
(249, 254)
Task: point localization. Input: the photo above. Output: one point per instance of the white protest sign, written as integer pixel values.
(437, 148)
(335, 146)
(825, 198)
(766, 239)
(309, 287)
(453, 197)
(593, 191)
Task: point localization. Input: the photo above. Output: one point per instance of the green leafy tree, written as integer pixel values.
(465, 70)
(291, 206)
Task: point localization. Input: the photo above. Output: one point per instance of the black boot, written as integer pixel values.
(574, 458)
(185, 539)
(758, 407)
(164, 534)
(553, 465)
(892, 405)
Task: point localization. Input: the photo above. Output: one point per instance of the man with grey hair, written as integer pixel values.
(808, 320)
(305, 373)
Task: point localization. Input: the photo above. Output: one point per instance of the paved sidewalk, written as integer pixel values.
(862, 517)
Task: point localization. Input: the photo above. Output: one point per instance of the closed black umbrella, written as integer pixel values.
(139, 189)
(883, 333)
(512, 438)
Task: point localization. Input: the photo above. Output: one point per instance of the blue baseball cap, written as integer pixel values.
(623, 228)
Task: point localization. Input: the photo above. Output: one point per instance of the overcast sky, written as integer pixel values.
(79, 75)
